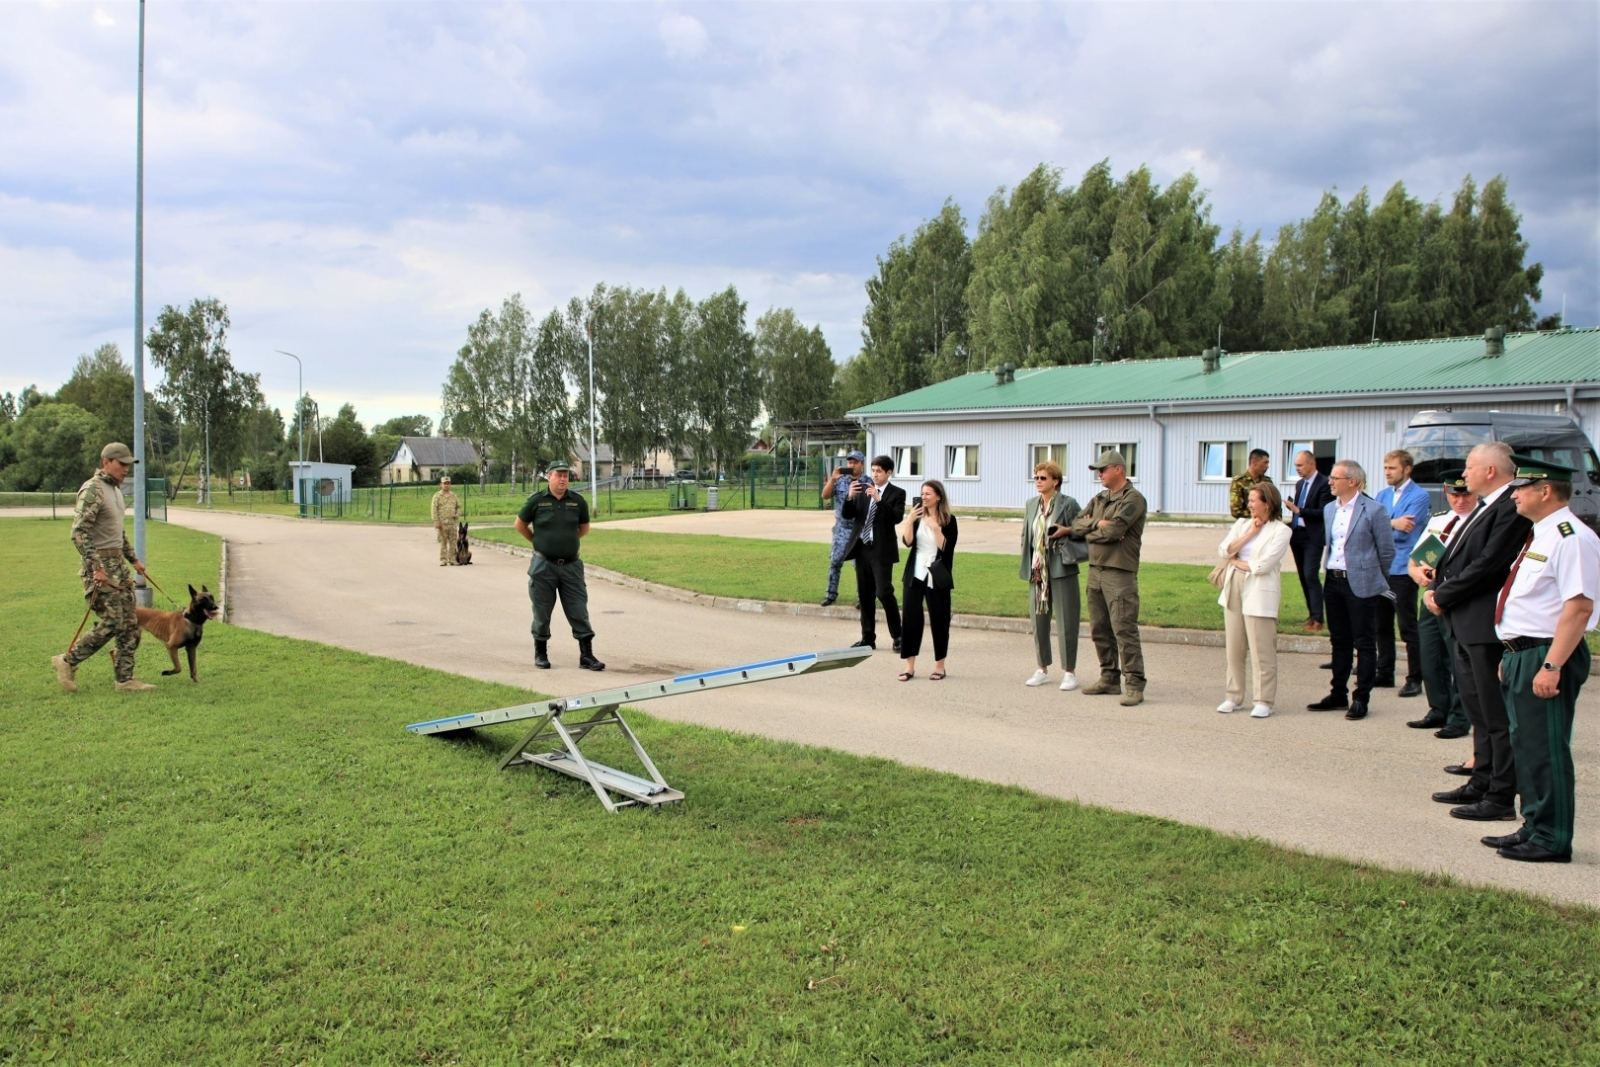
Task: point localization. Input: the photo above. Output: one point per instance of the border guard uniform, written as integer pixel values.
(555, 523)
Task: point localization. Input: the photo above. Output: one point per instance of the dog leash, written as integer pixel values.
(160, 590)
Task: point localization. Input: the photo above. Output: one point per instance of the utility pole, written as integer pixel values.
(142, 594)
(594, 466)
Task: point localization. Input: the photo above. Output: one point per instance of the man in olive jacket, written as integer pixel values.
(1113, 524)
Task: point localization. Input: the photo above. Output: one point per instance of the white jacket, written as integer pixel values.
(1263, 585)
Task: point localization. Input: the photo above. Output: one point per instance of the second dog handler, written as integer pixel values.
(446, 517)
(553, 520)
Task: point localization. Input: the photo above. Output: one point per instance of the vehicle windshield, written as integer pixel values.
(1441, 449)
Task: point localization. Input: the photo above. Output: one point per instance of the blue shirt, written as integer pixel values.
(1413, 503)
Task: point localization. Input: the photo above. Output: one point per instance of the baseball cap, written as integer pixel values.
(1109, 458)
(118, 450)
(862, 456)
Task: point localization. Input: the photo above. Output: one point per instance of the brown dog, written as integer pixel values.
(181, 629)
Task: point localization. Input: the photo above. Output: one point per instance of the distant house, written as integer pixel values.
(424, 459)
(659, 463)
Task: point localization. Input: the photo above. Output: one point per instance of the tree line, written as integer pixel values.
(1113, 269)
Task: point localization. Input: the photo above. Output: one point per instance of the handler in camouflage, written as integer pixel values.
(446, 517)
(107, 586)
(1239, 488)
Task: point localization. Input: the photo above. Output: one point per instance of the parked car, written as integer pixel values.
(1440, 441)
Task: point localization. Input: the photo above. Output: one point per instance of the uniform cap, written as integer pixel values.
(1454, 481)
(558, 467)
(1530, 470)
(117, 450)
(443, 478)
(862, 456)
(1109, 458)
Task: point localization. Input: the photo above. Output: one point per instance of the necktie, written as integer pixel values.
(1505, 590)
(1451, 525)
(872, 513)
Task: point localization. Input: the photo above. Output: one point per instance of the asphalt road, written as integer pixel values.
(1307, 781)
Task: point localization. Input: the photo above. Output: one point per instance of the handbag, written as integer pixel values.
(1219, 574)
(939, 576)
(1073, 549)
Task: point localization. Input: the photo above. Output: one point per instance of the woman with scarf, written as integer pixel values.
(1050, 566)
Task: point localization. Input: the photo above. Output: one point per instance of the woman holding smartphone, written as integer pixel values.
(1051, 569)
(929, 530)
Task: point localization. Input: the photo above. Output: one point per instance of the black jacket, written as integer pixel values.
(891, 509)
(1315, 530)
(1474, 568)
(947, 554)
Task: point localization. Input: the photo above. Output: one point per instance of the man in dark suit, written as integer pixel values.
(875, 506)
(1308, 532)
(1465, 589)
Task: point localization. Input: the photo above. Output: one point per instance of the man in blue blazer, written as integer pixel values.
(1306, 534)
(1359, 554)
(1409, 510)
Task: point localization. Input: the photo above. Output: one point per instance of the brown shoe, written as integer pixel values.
(1103, 686)
(133, 685)
(1313, 626)
(1133, 697)
(65, 673)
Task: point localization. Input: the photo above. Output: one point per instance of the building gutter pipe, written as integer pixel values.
(1161, 454)
(1572, 409)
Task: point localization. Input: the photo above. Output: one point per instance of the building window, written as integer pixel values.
(1129, 450)
(907, 461)
(1038, 454)
(1222, 461)
(961, 461)
(1325, 453)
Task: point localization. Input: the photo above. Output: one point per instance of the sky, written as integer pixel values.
(356, 181)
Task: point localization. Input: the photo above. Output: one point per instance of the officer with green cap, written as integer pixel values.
(1435, 644)
(553, 520)
(98, 536)
(1549, 601)
(1113, 525)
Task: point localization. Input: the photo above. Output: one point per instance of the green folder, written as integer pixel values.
(1429, 551)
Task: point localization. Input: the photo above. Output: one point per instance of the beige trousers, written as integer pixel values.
(447, 544)
(1258, 635)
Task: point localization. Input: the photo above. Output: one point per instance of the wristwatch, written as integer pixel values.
(1550, 666)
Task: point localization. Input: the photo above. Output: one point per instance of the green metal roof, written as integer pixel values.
(1530, 359)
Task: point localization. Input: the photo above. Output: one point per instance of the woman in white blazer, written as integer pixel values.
(1251, 590)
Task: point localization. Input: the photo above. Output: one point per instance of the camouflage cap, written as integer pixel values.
(119, 451)
(1109, 458)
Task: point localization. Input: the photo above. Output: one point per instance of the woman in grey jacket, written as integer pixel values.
(1050, 566)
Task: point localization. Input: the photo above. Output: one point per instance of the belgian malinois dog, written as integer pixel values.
(463, 546)
(181, 629)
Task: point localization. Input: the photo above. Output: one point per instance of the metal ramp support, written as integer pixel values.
(553, 723)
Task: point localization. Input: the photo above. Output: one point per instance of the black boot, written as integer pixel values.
(586, 658)
(541, 656)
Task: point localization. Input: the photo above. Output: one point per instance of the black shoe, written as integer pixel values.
(1411, 689)
(1383, 683)
(829, 599)
(1358, 710)
(586, 658)
(1328, 666)
(1450, 733)
(866, 644)
(1459, 768)
(1429, 723)
(541, 655)
(1329, 703)
(1484, 811)
(1502, 842)
(897, 644)
(1528, 852)
(1461, 794)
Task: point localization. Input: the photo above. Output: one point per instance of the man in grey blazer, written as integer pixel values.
(1359, 553)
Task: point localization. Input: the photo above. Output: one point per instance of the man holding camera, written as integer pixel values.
(837, 488)
(875, 507)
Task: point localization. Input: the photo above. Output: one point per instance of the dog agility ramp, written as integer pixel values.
(567, 721)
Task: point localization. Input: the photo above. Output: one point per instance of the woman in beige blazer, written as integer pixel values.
(1251, 591)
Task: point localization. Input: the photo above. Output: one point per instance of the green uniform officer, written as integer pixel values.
(1113, 525)
(1549, 601)
(553, 520)
(1435, 644)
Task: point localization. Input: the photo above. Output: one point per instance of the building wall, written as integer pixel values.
(1170, 481)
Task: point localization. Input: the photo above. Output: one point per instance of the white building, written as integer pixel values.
(424, 459)
(332, 480)
(1186, 425)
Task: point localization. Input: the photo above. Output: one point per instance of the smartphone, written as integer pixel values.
(1055, 529)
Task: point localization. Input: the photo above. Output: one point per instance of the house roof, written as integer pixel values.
(580, 452)
(1555, 358)
(440, 451)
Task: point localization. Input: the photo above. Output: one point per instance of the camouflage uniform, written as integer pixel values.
(446, 516)
(99, 538)
(1239, 494)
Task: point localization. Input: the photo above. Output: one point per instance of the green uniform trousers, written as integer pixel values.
(119, 617)
(1541, 743)
(1435, 646)
(546, 580)
(1065, 606)
(1114, 625)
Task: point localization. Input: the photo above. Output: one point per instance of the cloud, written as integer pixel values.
(684, 35)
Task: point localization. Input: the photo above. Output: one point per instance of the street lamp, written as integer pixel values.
(594, 459)
(299, 401)
(142, 594)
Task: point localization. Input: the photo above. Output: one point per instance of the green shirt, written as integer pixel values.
(555, 522)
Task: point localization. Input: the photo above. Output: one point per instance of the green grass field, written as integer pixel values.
(265, 868)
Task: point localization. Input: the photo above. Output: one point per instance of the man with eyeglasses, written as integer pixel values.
(1360, 553)
(102, 543)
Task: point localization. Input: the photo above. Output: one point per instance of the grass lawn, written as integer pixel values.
(266, 868)
(1171, 594)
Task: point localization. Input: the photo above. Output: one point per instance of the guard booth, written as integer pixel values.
(321, 489)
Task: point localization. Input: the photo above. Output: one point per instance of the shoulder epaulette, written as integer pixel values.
(1566, 529)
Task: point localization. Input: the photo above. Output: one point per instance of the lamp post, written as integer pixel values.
(300, 419)
(142, 594)
(594, 464)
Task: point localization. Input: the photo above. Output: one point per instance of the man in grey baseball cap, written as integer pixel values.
(1113, 525)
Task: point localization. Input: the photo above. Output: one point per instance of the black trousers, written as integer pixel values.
(1403, 608)
(874, 583)
(1478, 679)
(1353, 626)
(1308, 563)
(938, 601)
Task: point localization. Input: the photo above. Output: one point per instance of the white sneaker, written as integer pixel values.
(1069, 682)
(1040, 677)
(1261, 711)
(1228, 707)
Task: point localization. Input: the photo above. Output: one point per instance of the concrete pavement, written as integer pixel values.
(1307, 781)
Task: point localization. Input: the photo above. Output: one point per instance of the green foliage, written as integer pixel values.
(406, 426)
(210, 396)
(345, 440)
(103, 385)
(641, 367)
(51, 446)
(797, 368)
(727, 380)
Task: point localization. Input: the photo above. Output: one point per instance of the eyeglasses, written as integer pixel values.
(1043, 478)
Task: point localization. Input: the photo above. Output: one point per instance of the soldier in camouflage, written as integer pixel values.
(1239, 488)
(107, 585)
(446, 517)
